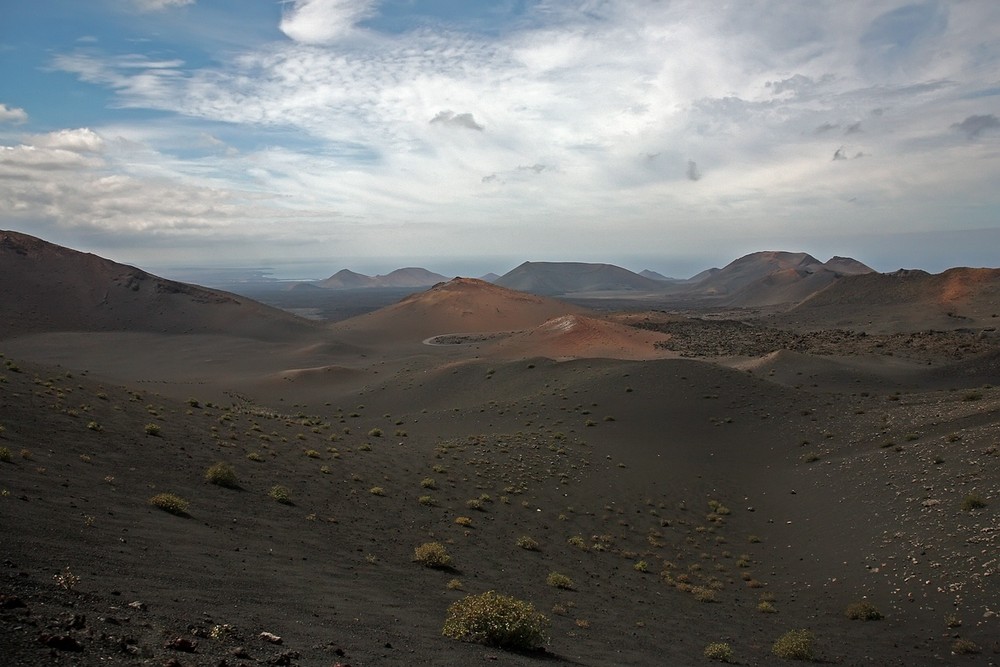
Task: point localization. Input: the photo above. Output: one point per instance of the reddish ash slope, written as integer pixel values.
(46, 288)
(580, 337)
(461, 305)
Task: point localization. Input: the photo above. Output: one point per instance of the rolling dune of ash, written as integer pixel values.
(904, 301)
(765, 482)
(578, 336)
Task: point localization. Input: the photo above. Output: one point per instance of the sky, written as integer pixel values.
(470, 135)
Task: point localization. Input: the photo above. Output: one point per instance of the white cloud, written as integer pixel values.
(324, 21)
(81, 140)
(12, 114)
(624, 104)
(159, 5)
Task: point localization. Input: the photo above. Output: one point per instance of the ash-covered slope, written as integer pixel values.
(464, 305)
(906, 300)
(49, 288)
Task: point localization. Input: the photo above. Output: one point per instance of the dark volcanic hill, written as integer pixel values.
(346, 279)
(655, 275)
(774, 277)
(409, 277)
(552, 278)
(748, 269)
(45, 288)
(405, 277)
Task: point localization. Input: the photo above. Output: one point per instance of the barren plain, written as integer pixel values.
(699, 474)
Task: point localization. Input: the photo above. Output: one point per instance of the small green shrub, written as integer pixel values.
(5, 454)
(152, 429)
(973, 501)
(703, 594)
(527, 543)
(377, 491)
(169, 502)
(428, 483)
(641, 566)
(93, 426)
(557, 580)
(862, 611)
(66, 580)
(766, 607)
(964, 647)
(222, 474)
(463, 521)
(720, 651)
(375, 433)
(432, 554)
(794, 645)
(427, 501)
(254, 456)
(496, 620)
(281, 494)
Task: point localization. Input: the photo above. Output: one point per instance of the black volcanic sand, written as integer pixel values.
(652, 485)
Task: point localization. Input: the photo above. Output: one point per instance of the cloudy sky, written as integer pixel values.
(461, 134)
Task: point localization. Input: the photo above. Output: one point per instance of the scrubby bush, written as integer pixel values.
(428, 483)
(720, 651)
(497, 620)
(375, 433)
(766, 607)
(964, 647)
(973, 501)
(169, 502)
(558, 580)
(5, 454)
(377, 491)
(432, 554)
(527, 543)
(222, 474)
(794, 645)
(862, 611)
(281, 494)
(463, 521)
(152, 429)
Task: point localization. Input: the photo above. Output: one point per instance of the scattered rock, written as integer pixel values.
(11, 602)
(269, 637)
(73, 621)
(60, 642)
(285, 658)
(182, 644)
